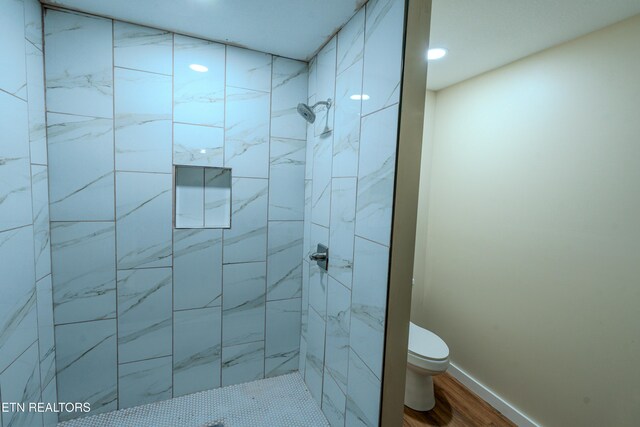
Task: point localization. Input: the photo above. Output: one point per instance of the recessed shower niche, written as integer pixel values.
(202, 197)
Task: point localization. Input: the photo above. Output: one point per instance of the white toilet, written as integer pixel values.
(428, 355)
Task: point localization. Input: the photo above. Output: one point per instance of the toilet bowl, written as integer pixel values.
(428, 355)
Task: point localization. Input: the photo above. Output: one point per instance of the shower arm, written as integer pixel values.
(327, 103)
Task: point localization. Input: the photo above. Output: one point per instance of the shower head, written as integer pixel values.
(307, 112)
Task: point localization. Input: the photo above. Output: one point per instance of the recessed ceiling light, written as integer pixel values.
(358, 97)
(199, 68)
(436, 53)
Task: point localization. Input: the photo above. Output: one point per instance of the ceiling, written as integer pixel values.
(291, 28)
(483, 35)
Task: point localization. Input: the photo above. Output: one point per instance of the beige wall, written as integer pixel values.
(532, 252)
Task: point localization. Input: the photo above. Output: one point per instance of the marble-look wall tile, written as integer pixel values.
(217, 198)
(197, 268)
(286, 179)
(143, 227)
(243, 363)
(189, 193)
(334, 401)
(351, 42)
(368, 303)
(346, 136)
(84, 271)
(341, 235)
(41, 234)
(307, 243)
(198, 145)
(312, 80)
(302, 358)
(321, 196)
(248, 69)
(86, 362)
(33, 22)
(142, 48)
(318, 277)
(338, 321)
(289, 88)
(284, 264)
(46, 339)
(246, 241)
(80, 168)
(50, 395)
(305, 298)
(35, 83)
(315, 355)
(376, 175)
(13, 76)
(243, 303)
(18, 317)
(311, 143)
(246, 144)
(282, 345)
(143, 121)
(144, 382)
(20, 382)
(79, 64)
(384, 32)
(326, 81)
(15, 174)
(196, 350)
(363, 396)
(198, 97)
(144, 314)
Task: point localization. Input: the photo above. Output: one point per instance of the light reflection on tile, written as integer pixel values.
(198, 145)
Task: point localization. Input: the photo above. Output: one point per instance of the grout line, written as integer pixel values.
(120, 67)
(173, 215)
(13, 94)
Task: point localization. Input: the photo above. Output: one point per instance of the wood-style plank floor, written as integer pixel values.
(456, 406)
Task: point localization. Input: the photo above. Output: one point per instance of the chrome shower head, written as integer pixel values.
(305, 111)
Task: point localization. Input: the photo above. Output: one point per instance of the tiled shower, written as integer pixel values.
(157, 220)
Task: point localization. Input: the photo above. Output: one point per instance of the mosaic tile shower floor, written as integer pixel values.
(272, 402)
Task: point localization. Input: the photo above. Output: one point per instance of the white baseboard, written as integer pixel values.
(506, 408)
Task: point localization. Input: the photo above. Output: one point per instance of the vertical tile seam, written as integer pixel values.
(115, 229)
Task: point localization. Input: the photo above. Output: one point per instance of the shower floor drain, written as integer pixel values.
(216, 424)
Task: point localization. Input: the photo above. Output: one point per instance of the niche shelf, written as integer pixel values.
(202, 197)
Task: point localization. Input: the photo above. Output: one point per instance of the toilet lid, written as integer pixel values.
(426, 344)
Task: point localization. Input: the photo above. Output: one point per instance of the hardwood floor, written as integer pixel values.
(456, 406)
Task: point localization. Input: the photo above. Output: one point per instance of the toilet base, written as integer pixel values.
(418, 392)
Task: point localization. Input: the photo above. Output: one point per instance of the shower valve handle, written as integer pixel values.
(318, 256)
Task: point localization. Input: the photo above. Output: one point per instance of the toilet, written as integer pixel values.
(428, 355)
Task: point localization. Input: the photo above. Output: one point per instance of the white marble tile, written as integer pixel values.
(243, 303)
(310, 148)
(198, 145)
(20, 383)
(369, 302)
(144, 314)
(341, 234)
(197, 350)
(312, 80)
(363, 396)
(246, 143)
(33, 22)
(143, 227)
(41, 234)
(333, 401)
(80, 168)
(321, 196)
(197, 269)
(346, 136)
(351, 42)
(246, 241)
(318, 277)
(305, 299)
(50, 395)
(86, 362)
(384, 34)
(286, 180)
(84, 271)
(307, 243)
(315, 355)
(198, 96)
(376, 175)
(242, 363)
(79, 64)
(35, 96)
(284, 260)
(338, 321)
(282, 344)
(15, 174)
(217, 198)
(248, 69)
(302, 359)
(13, 75)
(143, 121)
(142, 48)
(144, 382)
(289, 88)
(189, 197)
(18, 316)
(326, 81)
(46, 340)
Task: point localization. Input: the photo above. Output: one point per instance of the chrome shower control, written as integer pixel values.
(321, 256)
